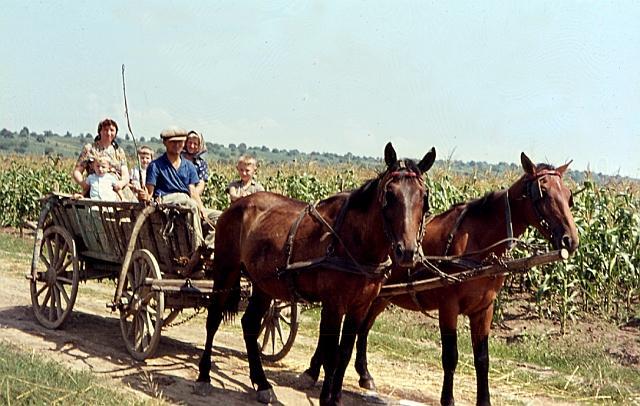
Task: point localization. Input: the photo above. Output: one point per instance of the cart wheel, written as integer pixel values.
(278, 330)
(55, 276)
(142, 309)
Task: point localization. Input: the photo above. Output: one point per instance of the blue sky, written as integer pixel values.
(479, 80)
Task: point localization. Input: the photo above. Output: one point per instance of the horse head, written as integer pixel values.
(549, 203)
(404, 202)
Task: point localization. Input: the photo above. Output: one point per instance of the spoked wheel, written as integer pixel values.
(142, 308)
(278, 330)
(55, 275)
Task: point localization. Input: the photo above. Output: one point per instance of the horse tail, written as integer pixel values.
(227, 265)
(230, 306)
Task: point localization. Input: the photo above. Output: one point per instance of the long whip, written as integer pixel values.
(126, 113)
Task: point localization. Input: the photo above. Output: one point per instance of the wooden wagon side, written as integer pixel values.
(149, 250)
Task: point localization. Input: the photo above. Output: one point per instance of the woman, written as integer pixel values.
(195, 151)
(104, 145)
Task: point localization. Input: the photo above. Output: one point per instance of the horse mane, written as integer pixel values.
(481, 206)
(363, 196)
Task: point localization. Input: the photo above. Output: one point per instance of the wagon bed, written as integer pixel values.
(139, 246)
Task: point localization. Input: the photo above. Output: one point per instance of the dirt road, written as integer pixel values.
(91, 340)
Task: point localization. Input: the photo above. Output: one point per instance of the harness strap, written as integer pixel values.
(454, 230)
(507, 213)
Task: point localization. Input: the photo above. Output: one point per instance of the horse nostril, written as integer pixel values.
(566, 241)
(399, 250)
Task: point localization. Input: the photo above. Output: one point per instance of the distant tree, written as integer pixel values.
(242, 147)
(24, 133)
(232, 146)
(67, 135)
(88, 135)
(154, 139)
(275, 150)
(264, 148)
(4, 133)
(47, 133)
(24, 144)
(142, 139)
(48, 150)
(41, 138)
(126, 137)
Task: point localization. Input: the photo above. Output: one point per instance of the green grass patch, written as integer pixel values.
(15, 246)
(27, 379)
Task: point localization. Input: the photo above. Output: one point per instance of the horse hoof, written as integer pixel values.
(306, 381)
(266, 396)
(367, 383)
(202, 388)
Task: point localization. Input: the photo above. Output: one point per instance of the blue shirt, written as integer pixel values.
(166, 179)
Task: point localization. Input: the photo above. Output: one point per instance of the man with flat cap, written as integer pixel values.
(173, 180)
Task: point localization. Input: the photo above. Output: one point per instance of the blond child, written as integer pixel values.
(101, 182)
(246, 185)
(139, 175)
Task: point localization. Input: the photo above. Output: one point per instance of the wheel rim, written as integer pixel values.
(141, 313)
(278, 330)
(55, 277)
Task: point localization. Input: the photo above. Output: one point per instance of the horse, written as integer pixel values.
(343, 243)
(538, 198)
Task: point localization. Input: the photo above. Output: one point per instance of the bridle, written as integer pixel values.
(401, 172)
(533, 191)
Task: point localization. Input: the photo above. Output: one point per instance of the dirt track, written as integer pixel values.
(91, 340)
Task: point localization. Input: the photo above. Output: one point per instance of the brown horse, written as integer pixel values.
(344, 244)
(540, 199)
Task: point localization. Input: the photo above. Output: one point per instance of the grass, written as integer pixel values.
(558, 367)
(27, 379)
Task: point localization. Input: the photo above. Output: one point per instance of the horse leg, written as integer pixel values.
(310, 376)
(214, 317)
(448, 333)
(480, 324)
(330, 321)
(256, 309)
(347, 340)
(362, 367)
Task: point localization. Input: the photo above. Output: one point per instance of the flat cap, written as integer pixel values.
(174, 134)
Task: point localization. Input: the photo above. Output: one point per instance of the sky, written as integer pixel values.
(480, 81)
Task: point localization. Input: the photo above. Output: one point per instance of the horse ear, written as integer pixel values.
(564, 168)
(528, 166)
(390, 156)
(428, 160)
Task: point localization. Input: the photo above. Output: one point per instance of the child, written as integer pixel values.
(101, 182)
(139, 175)
(246, 185)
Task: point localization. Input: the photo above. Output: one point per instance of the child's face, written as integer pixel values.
(246, 171)
(145, 158)
(100, 167)
(193, 145)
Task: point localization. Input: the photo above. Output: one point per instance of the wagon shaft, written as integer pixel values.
(513, 266)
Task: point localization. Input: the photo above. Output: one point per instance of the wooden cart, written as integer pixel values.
(149, 251)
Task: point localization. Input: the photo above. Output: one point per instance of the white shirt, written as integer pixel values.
(102, 187)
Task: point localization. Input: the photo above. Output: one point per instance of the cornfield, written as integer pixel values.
(601, 279)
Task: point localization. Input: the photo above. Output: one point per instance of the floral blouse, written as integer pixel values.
(117, 157)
